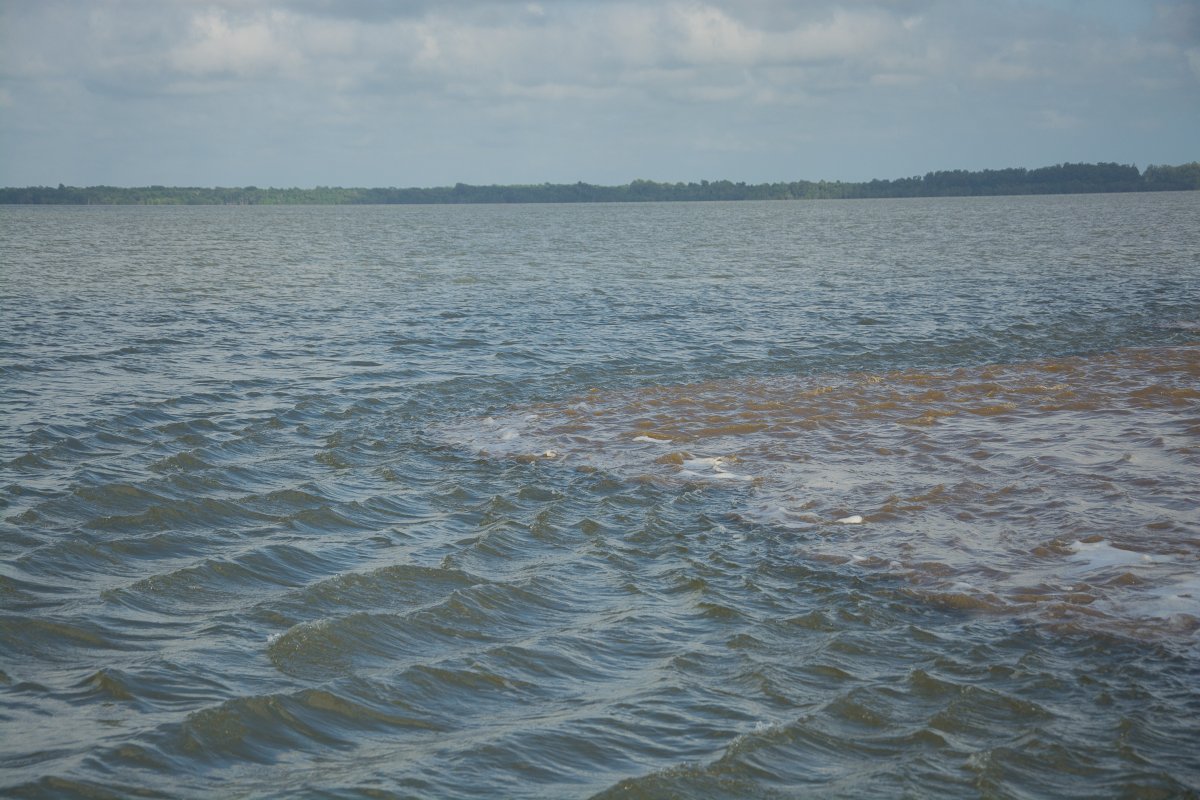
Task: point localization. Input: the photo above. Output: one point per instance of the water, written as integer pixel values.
(876, 498)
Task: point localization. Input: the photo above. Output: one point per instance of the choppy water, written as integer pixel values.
(871, 498)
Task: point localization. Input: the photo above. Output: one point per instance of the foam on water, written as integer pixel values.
(1101, 555)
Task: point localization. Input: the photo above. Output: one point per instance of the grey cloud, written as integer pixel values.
(1179, 22)
(370, 11)
(753, 89)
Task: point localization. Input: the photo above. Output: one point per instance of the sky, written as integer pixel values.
(422, 93)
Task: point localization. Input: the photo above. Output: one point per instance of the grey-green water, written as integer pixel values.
(868, 498)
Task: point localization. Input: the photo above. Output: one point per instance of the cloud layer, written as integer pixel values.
(368, 92)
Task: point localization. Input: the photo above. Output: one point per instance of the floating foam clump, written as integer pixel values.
(710, 469)
(1102, 555)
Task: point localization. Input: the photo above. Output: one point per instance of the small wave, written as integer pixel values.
(396, 586)
(180, 462)
(206, 513)
(56, 639)
(464, 618)
(260, 728)
(219, 583)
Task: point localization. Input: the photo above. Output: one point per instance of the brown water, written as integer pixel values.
(1062, 489)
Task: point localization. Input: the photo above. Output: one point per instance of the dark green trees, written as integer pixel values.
(1058, 179)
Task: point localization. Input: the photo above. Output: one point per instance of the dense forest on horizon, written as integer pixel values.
(1058, 179)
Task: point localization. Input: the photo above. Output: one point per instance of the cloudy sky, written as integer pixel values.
(423, 93)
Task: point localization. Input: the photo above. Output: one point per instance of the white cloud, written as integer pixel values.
(218, 45)
(706, 35)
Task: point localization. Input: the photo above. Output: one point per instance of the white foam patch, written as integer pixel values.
(703, 463)
(717, 475)
(712, 469)
(1095, 556)
(784, 518)
(1176, 599)
(731, 476)
(650, 439)
(1171, 588)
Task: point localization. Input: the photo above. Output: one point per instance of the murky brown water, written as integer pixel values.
(1062, 488)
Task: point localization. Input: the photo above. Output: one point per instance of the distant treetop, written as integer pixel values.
(1058, 179)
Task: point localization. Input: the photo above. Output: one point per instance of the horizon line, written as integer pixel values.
(631, 182)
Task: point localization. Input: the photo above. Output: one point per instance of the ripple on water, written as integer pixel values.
(316, 502)
(214, 584)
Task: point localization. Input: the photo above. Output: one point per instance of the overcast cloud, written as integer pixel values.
(374, 93)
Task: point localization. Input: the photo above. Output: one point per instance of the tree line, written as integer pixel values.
(1058, 179)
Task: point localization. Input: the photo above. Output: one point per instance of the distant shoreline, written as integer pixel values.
(1057, 179)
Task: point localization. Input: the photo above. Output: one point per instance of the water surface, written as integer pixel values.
(693, 500)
